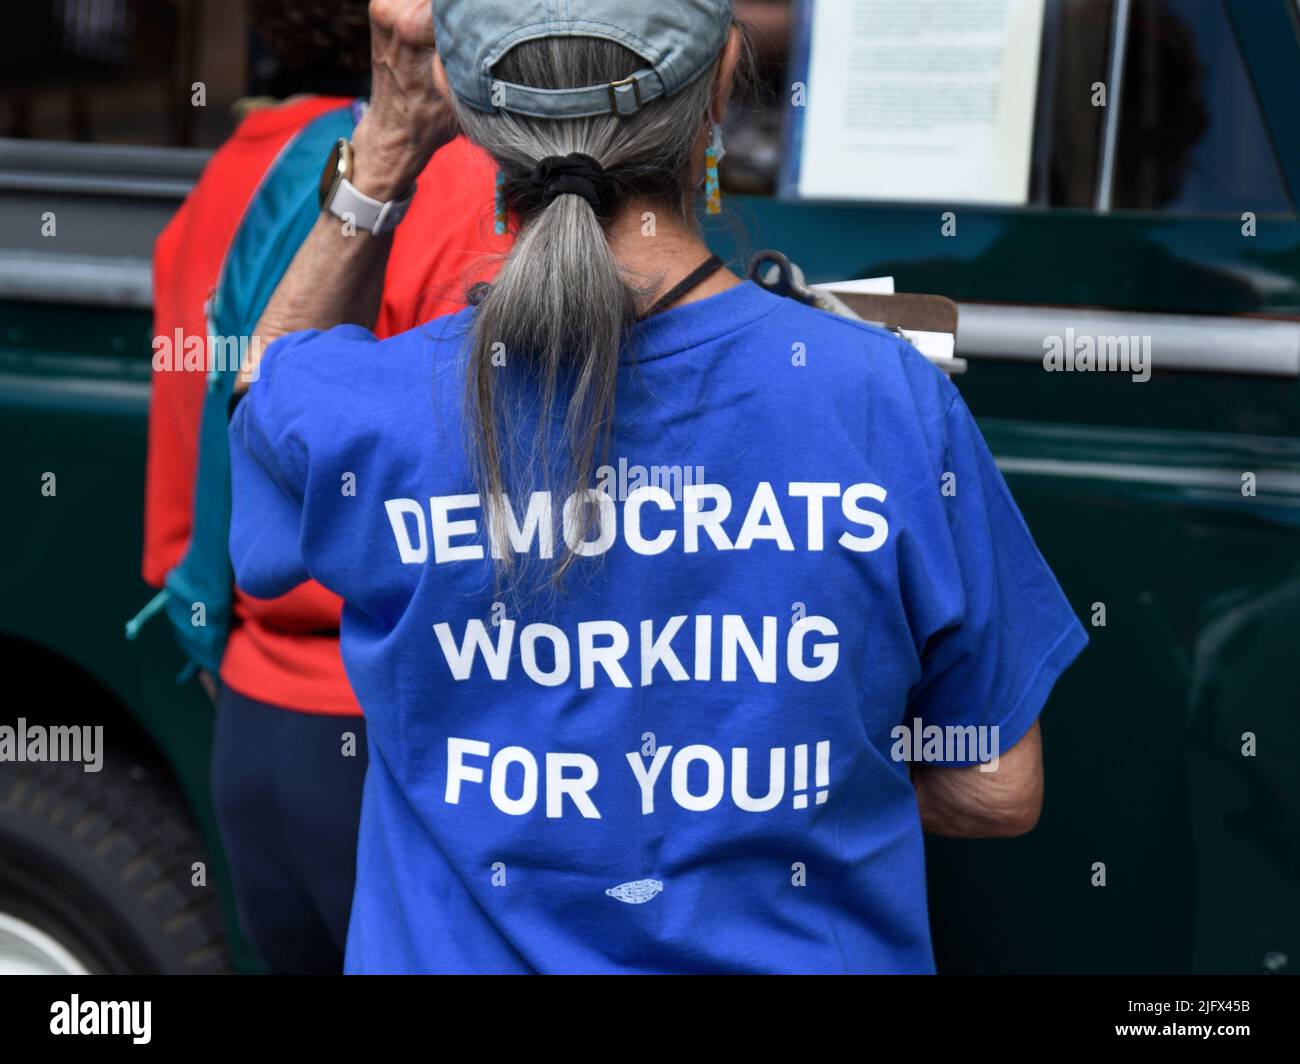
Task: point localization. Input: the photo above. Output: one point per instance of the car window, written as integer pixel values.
(1076, 49)
(155, 73)
(1191, 135)
(121, 71)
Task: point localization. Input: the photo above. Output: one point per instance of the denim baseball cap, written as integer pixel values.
(678, 39)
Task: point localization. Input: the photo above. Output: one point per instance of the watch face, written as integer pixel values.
(336, 168)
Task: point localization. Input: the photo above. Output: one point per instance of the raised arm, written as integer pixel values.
(337, 276)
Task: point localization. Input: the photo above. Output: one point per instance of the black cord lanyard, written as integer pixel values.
(706, 269)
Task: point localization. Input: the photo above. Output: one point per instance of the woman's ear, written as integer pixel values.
(726, 75)
(440, 82)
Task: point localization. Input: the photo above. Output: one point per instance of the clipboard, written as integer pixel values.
(928, 323)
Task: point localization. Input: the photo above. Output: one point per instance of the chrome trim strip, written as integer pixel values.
(93, 185)
(1283, 482)
(46, 156)
(1252, 346)
(44, 277)
(95, 393)
(99, 169)
(1114, 92)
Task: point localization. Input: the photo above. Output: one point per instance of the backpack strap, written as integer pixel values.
(198, 593)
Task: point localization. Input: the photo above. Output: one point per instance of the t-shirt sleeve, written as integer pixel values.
(1008, 631)
(268, 470)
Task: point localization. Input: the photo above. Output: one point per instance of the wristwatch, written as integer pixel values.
(341, 198)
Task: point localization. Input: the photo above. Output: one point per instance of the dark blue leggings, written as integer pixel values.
(288, 802)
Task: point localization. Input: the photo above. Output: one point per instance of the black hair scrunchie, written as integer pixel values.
(576, 174)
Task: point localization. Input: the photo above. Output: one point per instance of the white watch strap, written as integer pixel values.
(366, 213)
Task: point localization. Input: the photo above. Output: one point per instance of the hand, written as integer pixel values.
(408, 120)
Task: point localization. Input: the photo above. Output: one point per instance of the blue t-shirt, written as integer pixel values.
(806, 572)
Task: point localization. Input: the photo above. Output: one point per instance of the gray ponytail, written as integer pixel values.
(561, 306)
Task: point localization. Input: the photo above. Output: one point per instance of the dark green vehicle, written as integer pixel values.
(1168, 507)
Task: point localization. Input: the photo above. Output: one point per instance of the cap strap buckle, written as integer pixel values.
(618, 94)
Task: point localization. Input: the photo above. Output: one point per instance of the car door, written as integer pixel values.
(1167, 502)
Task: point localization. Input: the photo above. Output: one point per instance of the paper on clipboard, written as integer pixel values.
(939, 347)
(870, 286)
(919, 100)
(936, 346)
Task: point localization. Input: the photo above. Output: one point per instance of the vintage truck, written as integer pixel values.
(1168, 507)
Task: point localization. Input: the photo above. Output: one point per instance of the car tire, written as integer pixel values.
(96, 873)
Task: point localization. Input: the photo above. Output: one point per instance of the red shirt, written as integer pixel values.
(285, 651)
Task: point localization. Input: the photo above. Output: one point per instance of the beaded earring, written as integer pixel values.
(500, 207)
(712, 156)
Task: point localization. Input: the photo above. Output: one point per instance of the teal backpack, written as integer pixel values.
(198, 593)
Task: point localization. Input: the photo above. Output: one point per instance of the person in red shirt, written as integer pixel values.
(289, 747)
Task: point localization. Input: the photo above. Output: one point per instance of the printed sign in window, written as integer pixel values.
(922, 100)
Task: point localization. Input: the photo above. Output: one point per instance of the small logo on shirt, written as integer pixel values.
(638, 892)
